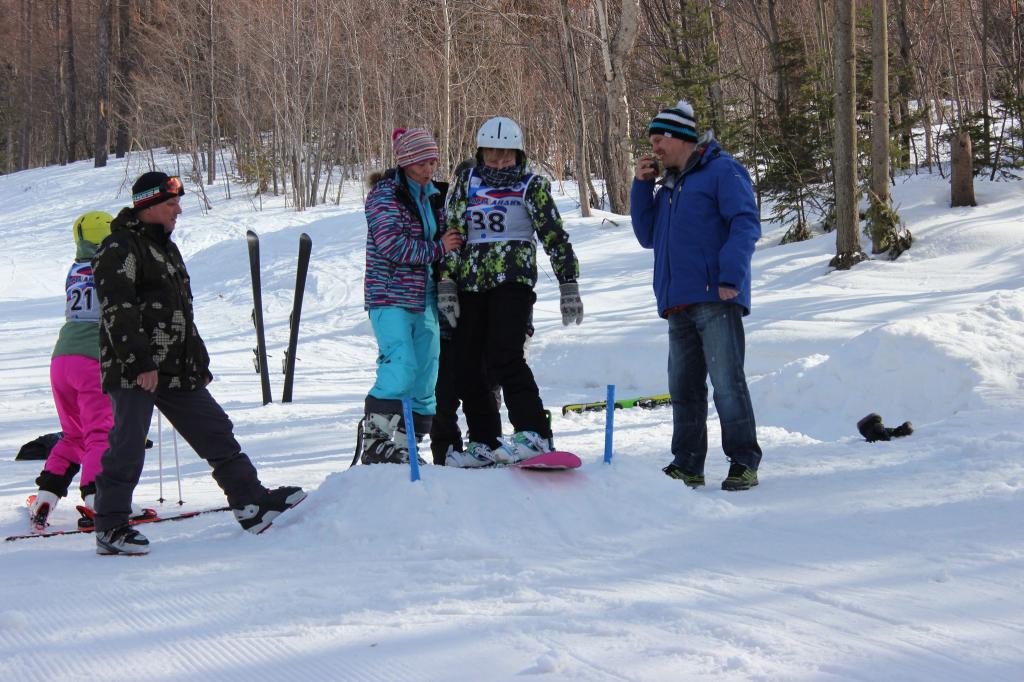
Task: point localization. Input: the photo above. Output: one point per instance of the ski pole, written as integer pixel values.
(609, 424)
(177, 467)
(160, 454)
(410, 431)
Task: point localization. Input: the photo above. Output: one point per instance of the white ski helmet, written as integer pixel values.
(500, 132)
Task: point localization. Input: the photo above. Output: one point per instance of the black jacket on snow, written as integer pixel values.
(146, 309)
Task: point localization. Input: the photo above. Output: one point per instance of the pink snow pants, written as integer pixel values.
(85, 416)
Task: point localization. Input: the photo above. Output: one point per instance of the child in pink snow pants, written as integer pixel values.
(83, 409)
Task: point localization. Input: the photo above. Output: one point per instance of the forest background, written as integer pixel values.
(821, 99)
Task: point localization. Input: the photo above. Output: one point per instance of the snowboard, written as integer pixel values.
(557, 460)
(645, 402)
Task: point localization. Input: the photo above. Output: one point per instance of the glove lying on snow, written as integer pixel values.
(872, 428)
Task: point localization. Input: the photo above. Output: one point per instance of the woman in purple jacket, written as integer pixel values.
(404, 213)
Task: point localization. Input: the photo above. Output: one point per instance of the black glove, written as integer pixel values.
(872, 428)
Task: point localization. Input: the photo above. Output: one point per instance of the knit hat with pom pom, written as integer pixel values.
(677, 122)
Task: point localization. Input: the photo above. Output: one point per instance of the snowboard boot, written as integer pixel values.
(41, 508)
(259, 515)
(121, 540)
(380, 445)
(476, 456)
(690, 480)
(740, 478)
(522, 445)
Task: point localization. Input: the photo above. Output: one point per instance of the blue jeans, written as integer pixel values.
(707, 338)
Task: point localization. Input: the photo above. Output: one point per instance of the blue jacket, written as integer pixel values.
(703, 230)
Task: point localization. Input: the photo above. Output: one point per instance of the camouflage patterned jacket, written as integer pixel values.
(146, 309)
(484, 266)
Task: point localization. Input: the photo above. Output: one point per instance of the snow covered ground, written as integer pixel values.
(851, 561)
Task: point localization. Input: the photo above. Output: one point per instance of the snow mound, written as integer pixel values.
(924, 370)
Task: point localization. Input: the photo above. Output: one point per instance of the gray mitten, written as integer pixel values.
(448, 301)
(570, 303)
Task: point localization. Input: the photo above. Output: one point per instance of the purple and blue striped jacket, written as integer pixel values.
(396, 252)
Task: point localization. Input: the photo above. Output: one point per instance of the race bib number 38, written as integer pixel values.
(497, 214)
(80, 304)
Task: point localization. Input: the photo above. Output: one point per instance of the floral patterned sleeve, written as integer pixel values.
(455, 210)
(552, 235)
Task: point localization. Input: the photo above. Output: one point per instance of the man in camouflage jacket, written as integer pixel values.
(151, 356)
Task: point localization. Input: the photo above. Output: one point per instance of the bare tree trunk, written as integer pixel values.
(25, 139)
(582, 166)
(848, 251)
(986, 92)
(962, 172)
(122, 83)
(614, 52)
(881, 233)
(447, 158)
(880, 94)
(102, 83)
(903, 88)
(73, 130)
(211, 110)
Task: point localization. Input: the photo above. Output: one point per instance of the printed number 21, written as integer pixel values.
(76, 299)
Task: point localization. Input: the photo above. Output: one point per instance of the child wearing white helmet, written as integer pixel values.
(84, 411)
(487, 293)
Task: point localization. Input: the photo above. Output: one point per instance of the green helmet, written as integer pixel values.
(92, 227)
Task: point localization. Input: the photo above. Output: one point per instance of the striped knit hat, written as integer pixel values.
(413, 146)
(677, 122)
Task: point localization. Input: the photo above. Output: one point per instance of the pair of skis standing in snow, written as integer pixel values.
(260, 352)
(462, 259)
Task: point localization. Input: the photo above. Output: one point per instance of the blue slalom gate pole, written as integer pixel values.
(609, 424)
(410, 430)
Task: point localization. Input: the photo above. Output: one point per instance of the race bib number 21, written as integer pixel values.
(81, 304)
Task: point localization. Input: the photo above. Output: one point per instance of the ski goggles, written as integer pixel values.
(169, 188)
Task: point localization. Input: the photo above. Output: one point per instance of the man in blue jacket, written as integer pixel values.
(702, 221)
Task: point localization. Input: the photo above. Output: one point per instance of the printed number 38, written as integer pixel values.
(493, 221)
